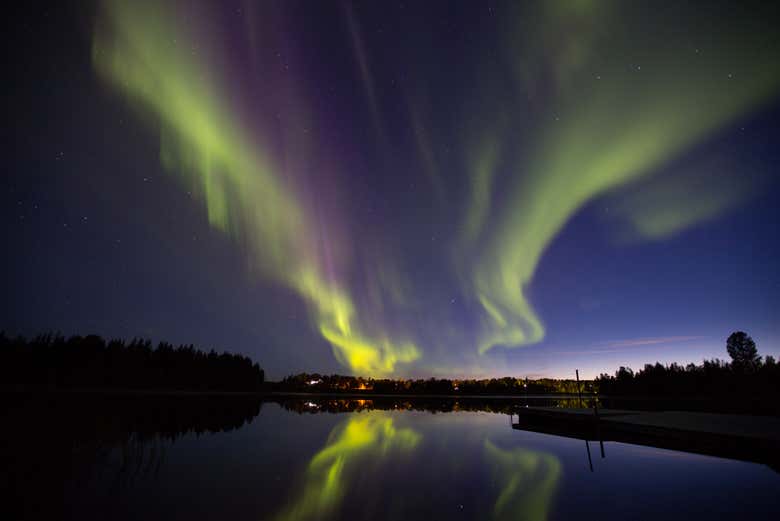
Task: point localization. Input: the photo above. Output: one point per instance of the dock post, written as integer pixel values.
(598, 425)
(525, 385)
(579, 392)
(590, 461)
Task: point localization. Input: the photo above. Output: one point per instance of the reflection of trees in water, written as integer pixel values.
(59, 446)
(136, 458)
(350, 446)
(117, 463)
(315, 404)
(52, 445)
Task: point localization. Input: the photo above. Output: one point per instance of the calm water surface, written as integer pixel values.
(291, 461)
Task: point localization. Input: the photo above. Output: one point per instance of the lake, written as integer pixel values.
(226, 458)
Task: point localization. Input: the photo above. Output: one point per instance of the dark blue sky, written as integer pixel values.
(448, 189)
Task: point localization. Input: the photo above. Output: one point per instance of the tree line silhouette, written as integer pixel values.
(746, 384)
(711, 378)
(510, 386)
(748, 380)
(90, 362)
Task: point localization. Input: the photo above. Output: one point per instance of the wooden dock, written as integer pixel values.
(747, 438)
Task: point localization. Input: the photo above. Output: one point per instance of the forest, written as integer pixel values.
(53, 362)
(748, 376)
(506, 386)
(712, 378)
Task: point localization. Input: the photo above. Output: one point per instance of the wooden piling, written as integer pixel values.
(579, 391)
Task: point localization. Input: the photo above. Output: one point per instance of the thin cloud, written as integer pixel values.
(631, 343)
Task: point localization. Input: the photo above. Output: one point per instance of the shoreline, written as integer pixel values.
(293, 394)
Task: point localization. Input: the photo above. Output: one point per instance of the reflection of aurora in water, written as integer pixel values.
(376, 465)
(527, 479)
(333, 468)
(359, 448)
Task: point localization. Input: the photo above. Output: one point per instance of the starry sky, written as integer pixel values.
(412, 189)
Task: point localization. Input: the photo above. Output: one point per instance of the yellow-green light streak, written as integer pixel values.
(528, 480)
(362, 439)
(662, 208)
(621, 121)
(141, 51)
(482, 175)
(603, 95)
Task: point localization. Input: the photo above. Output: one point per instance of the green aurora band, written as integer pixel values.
(614, 123)
(625, 95)
(140, 50)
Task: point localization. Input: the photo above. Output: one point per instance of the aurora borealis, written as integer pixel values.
(355, 445)
(457, 189)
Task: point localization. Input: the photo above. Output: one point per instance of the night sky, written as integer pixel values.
(396, 188)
